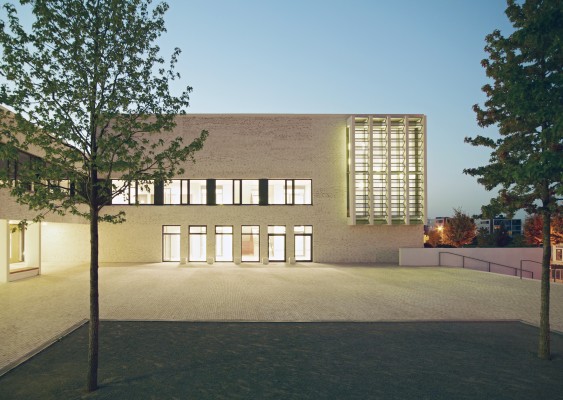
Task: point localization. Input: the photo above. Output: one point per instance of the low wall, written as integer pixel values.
(505, 256)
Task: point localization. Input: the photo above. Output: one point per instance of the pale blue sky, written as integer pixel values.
(356, 57)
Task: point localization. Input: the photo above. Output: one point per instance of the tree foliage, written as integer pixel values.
(434, 237)
(459, 230)
(501, 237)
(91, 96)
(484, 238)
(533, 229)
(525, 102)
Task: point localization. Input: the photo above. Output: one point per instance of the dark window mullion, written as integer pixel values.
(263, 192)
(188, 191)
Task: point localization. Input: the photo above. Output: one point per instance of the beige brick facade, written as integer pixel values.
(250, 146)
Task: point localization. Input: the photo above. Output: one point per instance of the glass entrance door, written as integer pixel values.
(198, 243)
(303, 243)
(250, 243)
(223, 243)
(170, 243)
(276, 243)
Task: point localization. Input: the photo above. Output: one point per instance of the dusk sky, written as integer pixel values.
(401, 56)
(348, 57)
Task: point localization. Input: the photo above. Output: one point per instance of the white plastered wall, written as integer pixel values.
(4, 250)
(65, 243)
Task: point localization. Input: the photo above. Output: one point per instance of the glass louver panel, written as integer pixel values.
(362, 164)
(387, 174)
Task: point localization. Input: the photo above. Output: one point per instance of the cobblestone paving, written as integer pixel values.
(36, 310)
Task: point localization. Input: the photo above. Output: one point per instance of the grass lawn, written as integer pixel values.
(328, 360)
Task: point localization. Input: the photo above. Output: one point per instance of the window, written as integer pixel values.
(132, 192)
(276, 243)
(224, 191)
(250, 243)
(123, 188)
(289, 191)
(303, 243)
(198, 191)
(277, 191)
(145, 192)
(302, 188)
(250, 191)
(198, 243)
(223, 243)
(173, 192)
(212, 192)
(170, 243)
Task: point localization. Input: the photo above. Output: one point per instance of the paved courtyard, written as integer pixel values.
(37, 310)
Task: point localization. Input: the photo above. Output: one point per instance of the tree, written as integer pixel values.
(91, 94)
(533, 229)
(484, 238)
(501, 237)
(525, 102)
(459, 230)
(434, 237)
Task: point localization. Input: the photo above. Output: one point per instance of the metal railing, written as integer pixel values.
(555, 271)
(532, 261)
(489, 263)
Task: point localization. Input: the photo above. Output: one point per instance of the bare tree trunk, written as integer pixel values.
(544, 348)
(92, 383)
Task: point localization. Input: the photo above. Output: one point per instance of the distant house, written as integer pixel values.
(513, 226)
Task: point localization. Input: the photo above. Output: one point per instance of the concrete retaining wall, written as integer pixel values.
(505, 256)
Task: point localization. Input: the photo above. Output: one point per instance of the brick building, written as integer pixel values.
(265, 188)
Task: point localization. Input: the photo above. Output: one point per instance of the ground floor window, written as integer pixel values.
(223, 243)
(303, 242)
(170, 243)
(276, 243)
(198, 243)
(250, 243)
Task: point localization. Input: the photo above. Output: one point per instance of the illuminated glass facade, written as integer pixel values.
(386, 171)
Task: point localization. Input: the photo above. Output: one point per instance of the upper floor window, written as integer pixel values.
(176, 191)
(279, 192)
(123, 189)
(302, 188)
(132, 192)
(250, 191)
(198, 191)
(289, 191)
(222, 191)
(145, 193)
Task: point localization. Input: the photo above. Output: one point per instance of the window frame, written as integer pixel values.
(304, 234)
(190, 242)
(284, 242)
(171, 234)
(221, 234)
(242, 235)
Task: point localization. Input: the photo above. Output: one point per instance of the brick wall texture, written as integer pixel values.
(253, 147)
